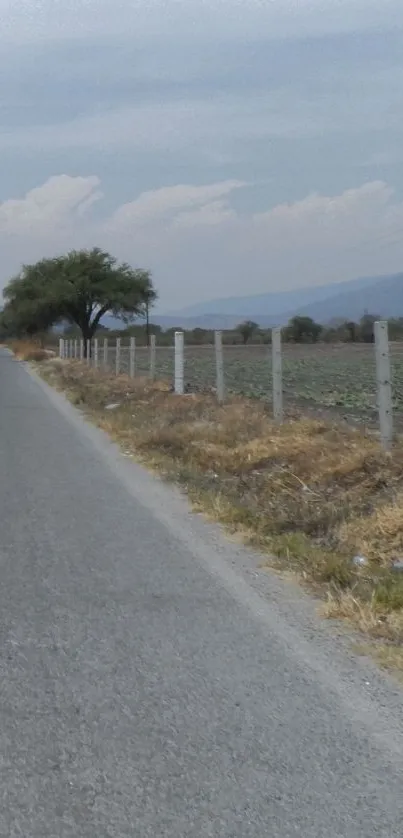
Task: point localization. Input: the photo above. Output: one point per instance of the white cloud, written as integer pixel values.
(211, 214)
(199, 246)
(50, 206)
(162, 204)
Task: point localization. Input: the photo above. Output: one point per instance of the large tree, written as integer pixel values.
(78, 288)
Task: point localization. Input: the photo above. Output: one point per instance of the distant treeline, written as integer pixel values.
(298, 330)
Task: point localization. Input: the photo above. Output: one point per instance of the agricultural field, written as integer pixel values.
(337, 377)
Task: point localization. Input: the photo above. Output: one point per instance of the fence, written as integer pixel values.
(352, 379)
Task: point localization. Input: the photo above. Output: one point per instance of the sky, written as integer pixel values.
(232, 147)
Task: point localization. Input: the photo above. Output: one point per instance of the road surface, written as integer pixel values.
(153, 682)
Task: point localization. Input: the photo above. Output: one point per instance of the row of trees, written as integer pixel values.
(77, 289)
(298, 330)
(305, 330)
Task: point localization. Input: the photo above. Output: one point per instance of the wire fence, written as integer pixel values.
(351, 380)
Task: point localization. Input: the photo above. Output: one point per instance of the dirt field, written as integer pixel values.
(322, 379)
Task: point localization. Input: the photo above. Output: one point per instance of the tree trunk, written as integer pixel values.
(86, 332)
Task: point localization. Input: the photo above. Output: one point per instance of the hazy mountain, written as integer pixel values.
(382, 295)
(273, 303)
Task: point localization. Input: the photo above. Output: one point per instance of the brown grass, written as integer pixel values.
(27, 350)
(308, 493)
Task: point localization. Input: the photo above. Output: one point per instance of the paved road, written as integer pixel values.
(152, 684)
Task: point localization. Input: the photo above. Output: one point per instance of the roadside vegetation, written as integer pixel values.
(308, 494)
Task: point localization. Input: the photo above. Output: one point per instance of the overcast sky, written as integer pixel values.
(232, 146)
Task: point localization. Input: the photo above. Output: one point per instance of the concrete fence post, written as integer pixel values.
(179, 363)
(105, 357)
(384, 383)
(61, 348)
(117, 362)
(96, 353)
(81, 350)
(219, 365)
(132, 358)
(277, 374)
(152, 357)
(88, 352)
(76, 349)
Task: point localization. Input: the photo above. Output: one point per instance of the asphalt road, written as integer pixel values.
(152, 681)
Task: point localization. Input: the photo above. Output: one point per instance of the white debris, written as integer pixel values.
(360, 561)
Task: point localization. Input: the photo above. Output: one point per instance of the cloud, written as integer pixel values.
(164, 204)
(49, 207)
(212, 121)
(200, 245)
(154, 21)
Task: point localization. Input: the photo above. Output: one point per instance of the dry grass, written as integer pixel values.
(309, 493)
(30, 351)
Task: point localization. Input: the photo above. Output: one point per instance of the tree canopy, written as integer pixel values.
(247, 329)
(303, 330)
(78, 288)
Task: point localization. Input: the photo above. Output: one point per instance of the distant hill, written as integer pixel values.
(382, 295)
(273, 303)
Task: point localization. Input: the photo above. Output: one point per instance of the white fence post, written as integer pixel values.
(152, 356)
(105, 353)
(219, 364)
(384, 385)
(96, 353)
(277, 374)
(88, 352)
(61, 348)
(81, 350)
(132, 357)
(117, 363)
(179, 363)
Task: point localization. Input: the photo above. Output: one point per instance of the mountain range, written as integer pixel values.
(380, 295)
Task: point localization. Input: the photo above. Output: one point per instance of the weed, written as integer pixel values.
(309, 494)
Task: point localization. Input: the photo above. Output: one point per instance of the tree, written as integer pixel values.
(353, 331)
(24, 316)
(367, 327)
(78, 288)
(149, 299)
(199, 335)
(303, 330)
(247, 329)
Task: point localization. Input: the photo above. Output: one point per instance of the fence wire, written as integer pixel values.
(338, 379)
